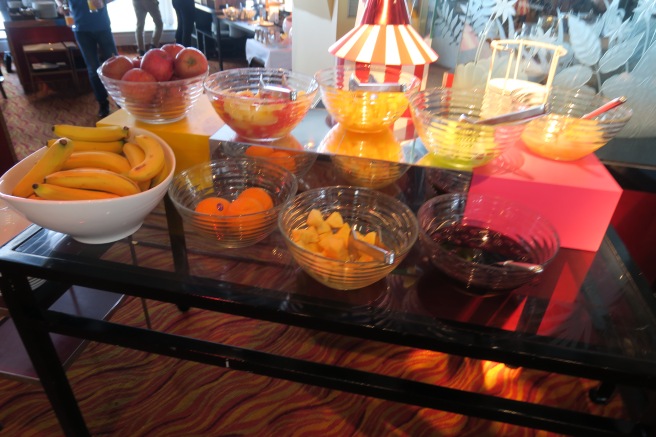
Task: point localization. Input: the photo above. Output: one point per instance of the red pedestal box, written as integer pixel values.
(577, 197)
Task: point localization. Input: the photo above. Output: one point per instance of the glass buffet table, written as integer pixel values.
(590, 316)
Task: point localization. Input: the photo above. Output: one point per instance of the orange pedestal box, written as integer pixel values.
(578, 197)
(189, 138)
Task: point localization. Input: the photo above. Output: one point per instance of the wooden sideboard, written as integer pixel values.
(26, 32)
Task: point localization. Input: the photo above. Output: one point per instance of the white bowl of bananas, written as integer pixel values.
(96, 184)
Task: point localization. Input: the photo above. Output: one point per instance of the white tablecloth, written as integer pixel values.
(270, 56)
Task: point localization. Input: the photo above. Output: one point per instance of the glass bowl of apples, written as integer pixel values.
(160, 87)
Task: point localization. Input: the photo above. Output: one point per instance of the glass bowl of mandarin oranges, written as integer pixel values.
(235, 202)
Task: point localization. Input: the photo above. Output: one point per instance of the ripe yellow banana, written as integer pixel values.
(153, 161)
(91, 133)
(51, 161)
(57, 192)
(135, 155)
(101, 146)
(159, 177)
(94, 179)
(106, 160)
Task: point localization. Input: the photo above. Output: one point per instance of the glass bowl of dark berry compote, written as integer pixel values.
(486, 243)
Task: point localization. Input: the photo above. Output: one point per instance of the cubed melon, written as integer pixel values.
(315, 218)
(335, 220)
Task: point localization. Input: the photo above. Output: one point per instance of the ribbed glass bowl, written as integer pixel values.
(362, 110)
(235, 95)
(296, 161)
(155, 102)
(367, 210)
(459, 144)
(365, 172)
(562, 134)
(226, 179)
(464, 235)
(365, 159)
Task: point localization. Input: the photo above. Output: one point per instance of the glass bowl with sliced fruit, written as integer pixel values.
(235, 201)
(261, 103)
(347, 237)
(83, 185)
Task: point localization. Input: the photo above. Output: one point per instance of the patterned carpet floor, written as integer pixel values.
(123, 392)
(129, 393)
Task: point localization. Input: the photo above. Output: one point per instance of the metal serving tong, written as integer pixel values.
(525, 115)
(275, 91)
(518, 265)
(374, 251)
(371, 85)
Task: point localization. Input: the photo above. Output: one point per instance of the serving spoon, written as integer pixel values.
(374, 251)
(518, 265)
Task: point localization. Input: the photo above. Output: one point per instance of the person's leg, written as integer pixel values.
(89, 49)
(189, 13)
(140, 12)
(156, 15)
(177, 7)
(104, 40)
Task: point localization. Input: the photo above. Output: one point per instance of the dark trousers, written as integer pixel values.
(96, 47)
(185, 11)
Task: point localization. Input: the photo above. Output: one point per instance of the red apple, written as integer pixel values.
(158, 63)
(189, 62)
(141, 88)
(136, 62)
(172, 49)
(116, 66)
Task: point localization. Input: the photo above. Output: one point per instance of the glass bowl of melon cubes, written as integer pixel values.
(347, 237)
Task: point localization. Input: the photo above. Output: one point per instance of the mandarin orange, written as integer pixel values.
(258, 151)
(213, 206)
(258, 194)
(245, 205)
(284, 159)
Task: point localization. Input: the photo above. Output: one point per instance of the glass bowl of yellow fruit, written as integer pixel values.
(364, 101)
(365, 159)
(347, 237)
(570, 130)
(261, 103)
(448, 122)
(235, 202)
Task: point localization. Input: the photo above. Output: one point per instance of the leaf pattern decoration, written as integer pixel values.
(612, 19)
(573, 77)
(479, 14)
(584, 41)
(625, 31)
(618, 55)
(641, 94)
(647, 63)
(505, 10)
(448, 24)
(645, 8)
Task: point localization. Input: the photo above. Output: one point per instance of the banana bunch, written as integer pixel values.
(85, 163)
